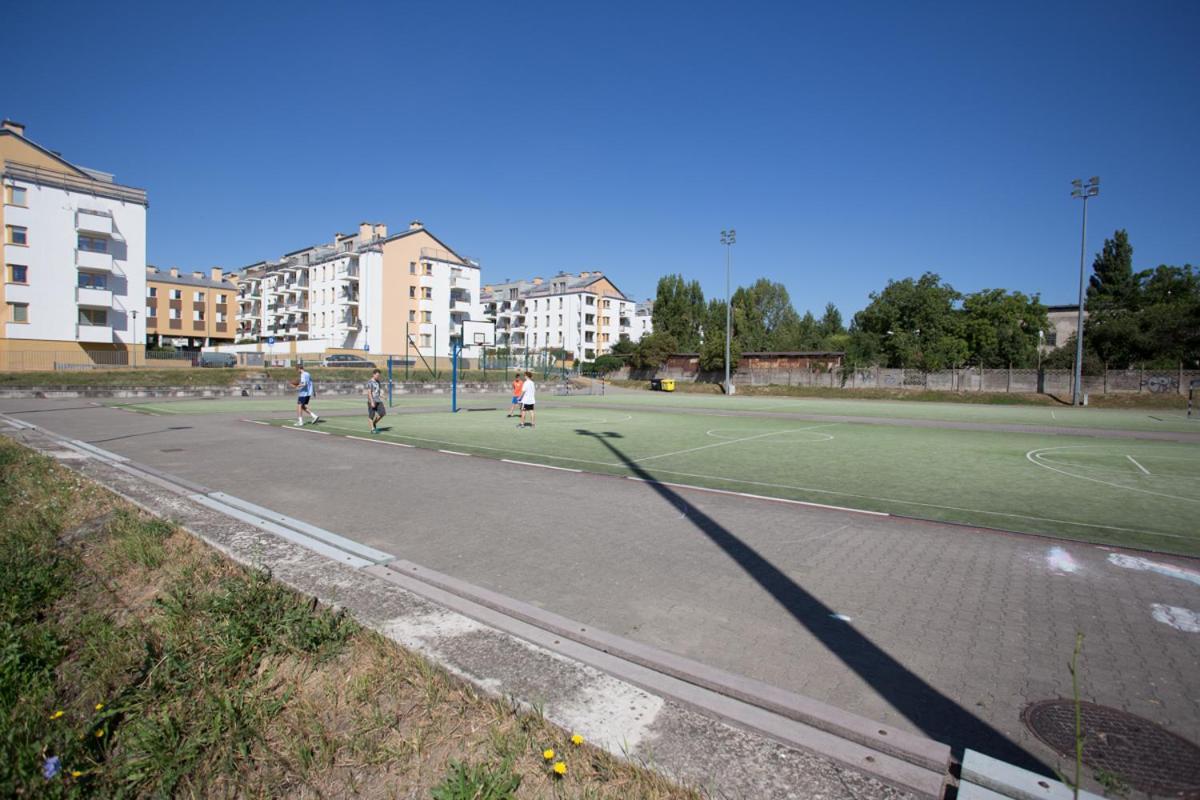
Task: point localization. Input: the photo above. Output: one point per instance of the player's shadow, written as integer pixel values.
(938, 716)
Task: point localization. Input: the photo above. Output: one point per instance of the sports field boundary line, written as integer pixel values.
(731, 493)
(373, 441)
(540, 466)
(454, 453)
(302, 429)
(1136, 464)
(834, 492)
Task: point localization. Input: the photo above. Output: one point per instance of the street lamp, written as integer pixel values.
(1082, 191)
(133, 344)
(728, 238)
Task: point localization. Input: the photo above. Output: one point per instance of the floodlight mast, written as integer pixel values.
(1082, 191)
(728, 238)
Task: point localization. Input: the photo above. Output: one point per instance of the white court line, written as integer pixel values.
(453, 453)
(303, 430)
(378, 441)
(1052, 415)
(543, 466)
(1032, 456)
(758, 496)
(732, 441)
(832, 492)
(1136, 464)
(257, 422)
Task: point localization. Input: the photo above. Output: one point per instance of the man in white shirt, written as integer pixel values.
(528, 398)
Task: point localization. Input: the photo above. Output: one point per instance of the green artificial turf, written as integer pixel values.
(1113, 491)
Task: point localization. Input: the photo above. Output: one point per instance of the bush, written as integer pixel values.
(653, 351)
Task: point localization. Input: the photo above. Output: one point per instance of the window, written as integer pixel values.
(426, 340)
(412, 268)
(428, 268)
(199, 297)
(93, 244)
(412, 291)
(607, 303)
(93, 316)
(604, 337)
(1052, 338)
(14, 195)
(198, 315)
(174, 314)
(18, 312)
(346, 246)
(560, 302)
(426, 316)
(606, 320)
(151, 291)
(176, 294)
(547, 320)
(220, 299)
(591, 301)
(560, 319)
(412, 316)
(426, 293)
(221, 316)
(151, 311)
(18, 273)
(16, 234)
(92, 280)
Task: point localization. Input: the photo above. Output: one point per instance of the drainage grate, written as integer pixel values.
(1142, 753)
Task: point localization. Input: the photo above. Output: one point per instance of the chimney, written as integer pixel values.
(415, 225)
(584, 274)
(15, 127)
(364, 232)
(174, 272)
(217, 274)
(537, 281)
(380, 230)
(197, 274)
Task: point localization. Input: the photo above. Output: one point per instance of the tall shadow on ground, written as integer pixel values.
(938, 716)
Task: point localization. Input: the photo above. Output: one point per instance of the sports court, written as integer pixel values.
(1015, 468)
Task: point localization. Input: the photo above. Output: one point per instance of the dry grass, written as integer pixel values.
(217, 682)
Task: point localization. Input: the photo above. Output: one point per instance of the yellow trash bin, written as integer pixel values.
(668, 385)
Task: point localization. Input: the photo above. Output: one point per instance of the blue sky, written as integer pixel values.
(848, 145)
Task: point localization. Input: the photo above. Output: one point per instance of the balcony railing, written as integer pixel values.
(94, 298)
(86, 259)
(94, 334)
(94, 222)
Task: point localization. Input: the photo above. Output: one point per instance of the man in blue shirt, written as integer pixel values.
(304, 388)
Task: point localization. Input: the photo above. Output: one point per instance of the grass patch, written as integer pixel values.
(135, 661)
(181, 377)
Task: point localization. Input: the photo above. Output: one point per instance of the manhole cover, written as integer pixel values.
(1142, 753)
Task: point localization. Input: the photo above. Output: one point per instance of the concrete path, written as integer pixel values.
(937, 629)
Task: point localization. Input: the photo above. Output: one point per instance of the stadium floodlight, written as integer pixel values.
(728, 238)
(1082, 191)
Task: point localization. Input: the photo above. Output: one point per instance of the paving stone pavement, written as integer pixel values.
(951, 631)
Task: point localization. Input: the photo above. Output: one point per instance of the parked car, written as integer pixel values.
(347, 360)
(216, 360)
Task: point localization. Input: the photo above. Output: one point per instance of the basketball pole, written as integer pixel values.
(455, 349)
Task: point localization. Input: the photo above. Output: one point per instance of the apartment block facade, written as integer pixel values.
(368, 291)
(583, 315)
(74, 260)
(190, 310)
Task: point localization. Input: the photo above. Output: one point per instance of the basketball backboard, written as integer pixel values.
(478, 333)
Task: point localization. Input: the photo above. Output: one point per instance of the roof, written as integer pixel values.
(187, 279)
(773, 354)
(1070, 307)
(575, 284)
(81, 173)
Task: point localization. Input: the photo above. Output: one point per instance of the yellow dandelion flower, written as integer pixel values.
(99, 706)
(548, 754)
(560, 768)
(56, 714)
(100, 733)
(576, 739)
(75, 773)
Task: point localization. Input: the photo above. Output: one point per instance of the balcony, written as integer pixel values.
(94, 334)
(460, 305)
(93, 222)
(100, 262)
(94, 298)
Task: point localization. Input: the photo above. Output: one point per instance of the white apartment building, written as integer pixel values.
(583, 315)
(403, 293)
(74, 260)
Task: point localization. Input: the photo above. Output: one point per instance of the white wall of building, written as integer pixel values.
(51, 218)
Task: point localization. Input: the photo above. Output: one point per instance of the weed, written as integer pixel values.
(478, 782)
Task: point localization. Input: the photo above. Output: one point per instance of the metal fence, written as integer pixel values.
(1017, 381)
(82, 360)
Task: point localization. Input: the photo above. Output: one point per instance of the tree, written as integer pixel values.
(913, 323)
(1112, 284)
(624, 347)
(1001, 328)
(653, 350)
(603, 365)
(679, 310)
(762, 316)
(831, 322)
(712, 351)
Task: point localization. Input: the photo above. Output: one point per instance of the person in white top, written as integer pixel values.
(528, 398)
